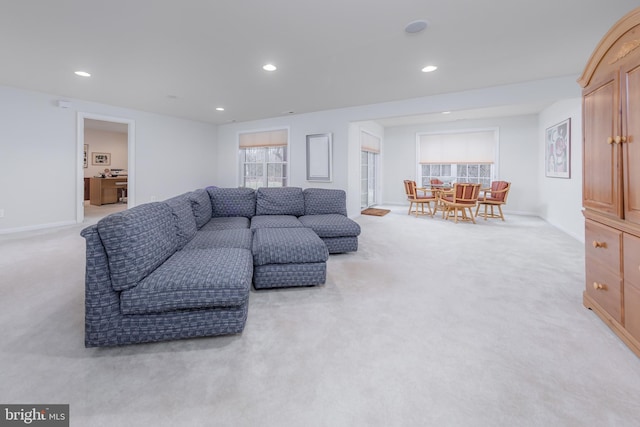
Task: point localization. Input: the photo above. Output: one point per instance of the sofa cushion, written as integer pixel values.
(186, 226)
(201, 205)
(226, 223)
(331, 225)
(320, 201)
(137, 241)
(287, 246)
(232, 238)
(275, 221)
(232, 202)
(195, 279)
(280, 201)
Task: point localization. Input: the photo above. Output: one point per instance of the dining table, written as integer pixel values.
(439, 190)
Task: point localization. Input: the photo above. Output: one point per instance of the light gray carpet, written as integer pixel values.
(429, 324)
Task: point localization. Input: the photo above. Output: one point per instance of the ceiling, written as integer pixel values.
(186, 58)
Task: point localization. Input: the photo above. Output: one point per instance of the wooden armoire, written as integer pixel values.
(611, 179)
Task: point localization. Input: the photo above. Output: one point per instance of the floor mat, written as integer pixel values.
(375, 212)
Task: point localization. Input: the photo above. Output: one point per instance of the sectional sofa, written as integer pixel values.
(184, 267)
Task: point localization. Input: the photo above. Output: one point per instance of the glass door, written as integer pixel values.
(368, 182)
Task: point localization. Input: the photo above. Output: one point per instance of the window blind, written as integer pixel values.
(273, 138)
(369, 142)
(453, 148)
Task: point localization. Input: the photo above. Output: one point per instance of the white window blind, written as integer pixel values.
(369, 143)
(453, 148)
(273, 138)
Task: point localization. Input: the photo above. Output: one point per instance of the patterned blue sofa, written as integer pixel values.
(184, 267)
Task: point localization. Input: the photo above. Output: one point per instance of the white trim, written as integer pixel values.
(37, 227)
(131, 150)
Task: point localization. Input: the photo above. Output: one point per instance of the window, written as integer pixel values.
(457, 157)
(465, 172)
(263, 159)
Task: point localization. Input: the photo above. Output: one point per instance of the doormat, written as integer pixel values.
(375, 212)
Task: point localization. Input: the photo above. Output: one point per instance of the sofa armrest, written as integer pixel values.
(102, 302)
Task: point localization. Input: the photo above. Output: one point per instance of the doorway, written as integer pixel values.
(106, 146)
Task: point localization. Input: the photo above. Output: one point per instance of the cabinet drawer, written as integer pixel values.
(632, 310)
(603, 243)
(604, 287)
(631, 264)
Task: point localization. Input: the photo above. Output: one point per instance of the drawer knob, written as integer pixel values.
(610, 140)
(597, 244)
(599, 286)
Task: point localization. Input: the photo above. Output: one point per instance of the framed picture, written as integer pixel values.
(319, 157)
(101, 159)
(86, 155)
(557, 144)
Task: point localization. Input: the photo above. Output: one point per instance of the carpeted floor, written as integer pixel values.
(430, 323)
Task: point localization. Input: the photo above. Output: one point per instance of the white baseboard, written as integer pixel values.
(36, 227)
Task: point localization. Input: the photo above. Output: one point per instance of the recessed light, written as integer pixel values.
(416, 26)
(269, 67)
(82, 74)
(446, 112)
(429, 68)
(219, 108)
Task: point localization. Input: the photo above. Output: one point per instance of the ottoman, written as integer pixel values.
(286, 257)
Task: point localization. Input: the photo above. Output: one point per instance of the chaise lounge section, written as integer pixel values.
(141, 288)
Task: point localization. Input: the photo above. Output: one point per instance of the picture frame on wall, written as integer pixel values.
(319, 157)
(558, 150)
(101, 159)
(86, 155)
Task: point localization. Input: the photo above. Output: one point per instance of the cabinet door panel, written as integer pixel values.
(631, 261)
(631, 245)
(630, 88)
(601, 181)
(632, 310)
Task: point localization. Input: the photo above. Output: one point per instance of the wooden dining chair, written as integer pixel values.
(437, 189)
(494, 196)
(463, 197)
(418, 196)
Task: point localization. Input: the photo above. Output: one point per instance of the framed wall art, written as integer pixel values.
(557, 144)
(319, 157)
(101, 159)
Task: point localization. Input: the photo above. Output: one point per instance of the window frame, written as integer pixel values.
(284, 177)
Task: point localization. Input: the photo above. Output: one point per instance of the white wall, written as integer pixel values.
(338, 122)
(299, 127)
(518, 147)
(38, 157)
(38, 144)
(561, 199)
